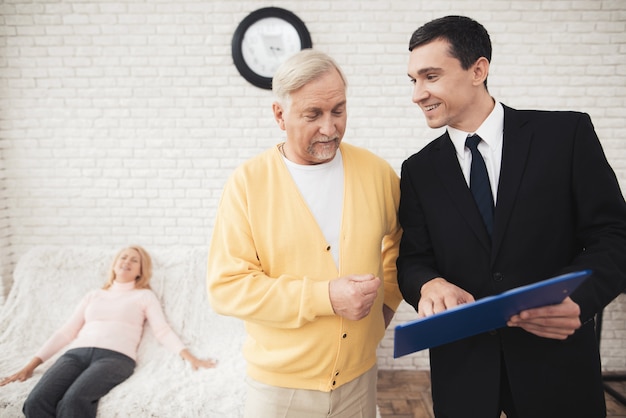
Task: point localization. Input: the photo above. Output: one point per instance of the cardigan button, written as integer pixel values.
(497, 277)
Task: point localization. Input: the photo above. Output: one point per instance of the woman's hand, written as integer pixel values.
(25, 373)
(197, 363)
(203, 364)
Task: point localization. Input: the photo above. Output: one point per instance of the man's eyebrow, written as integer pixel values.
(317, 109)
(340, 104)
(428, 70)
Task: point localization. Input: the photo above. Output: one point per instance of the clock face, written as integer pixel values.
(267, 43)
(264, 40)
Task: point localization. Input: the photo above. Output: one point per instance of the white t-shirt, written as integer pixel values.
(321, 186)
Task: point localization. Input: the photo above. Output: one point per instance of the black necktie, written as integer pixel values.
(479, 182)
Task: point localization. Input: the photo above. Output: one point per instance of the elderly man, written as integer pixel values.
(304, 249)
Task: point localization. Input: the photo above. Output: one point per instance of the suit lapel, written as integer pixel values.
(515, 148)
(446, 166)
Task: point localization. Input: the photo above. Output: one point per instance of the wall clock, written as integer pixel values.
(265, 39)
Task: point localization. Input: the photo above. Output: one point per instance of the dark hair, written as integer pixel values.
(468, 39)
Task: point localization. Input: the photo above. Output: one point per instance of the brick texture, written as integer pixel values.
(121, 120)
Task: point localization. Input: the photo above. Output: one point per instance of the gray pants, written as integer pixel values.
(72, 387)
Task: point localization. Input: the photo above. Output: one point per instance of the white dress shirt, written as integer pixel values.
(491, 131)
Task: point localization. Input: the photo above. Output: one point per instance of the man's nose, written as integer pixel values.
(328, 126)
(419, 92)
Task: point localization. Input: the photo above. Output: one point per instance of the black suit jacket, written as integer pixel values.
(559, 208)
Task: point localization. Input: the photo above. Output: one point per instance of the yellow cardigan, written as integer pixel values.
(270, 265)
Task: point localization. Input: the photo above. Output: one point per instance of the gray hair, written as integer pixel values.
(299, 70)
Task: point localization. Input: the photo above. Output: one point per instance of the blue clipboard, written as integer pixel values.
(483, 315)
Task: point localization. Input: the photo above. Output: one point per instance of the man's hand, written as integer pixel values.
(388, 314)
(438, 294)
(352, 296)
(554, 321)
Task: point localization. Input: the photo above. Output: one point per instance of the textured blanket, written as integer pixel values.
(49, 283)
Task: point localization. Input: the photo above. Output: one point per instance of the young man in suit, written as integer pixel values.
(555, 206)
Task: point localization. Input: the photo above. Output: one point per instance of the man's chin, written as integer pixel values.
(434, 123)
(325, 151)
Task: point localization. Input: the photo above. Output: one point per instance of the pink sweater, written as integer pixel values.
(113, 319)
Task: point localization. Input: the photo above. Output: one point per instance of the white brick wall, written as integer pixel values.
(121, 120)
(5, 267)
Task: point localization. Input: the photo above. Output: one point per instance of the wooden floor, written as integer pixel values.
(406, 394)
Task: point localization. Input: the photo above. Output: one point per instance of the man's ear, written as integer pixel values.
(480, 71)
(279, 115)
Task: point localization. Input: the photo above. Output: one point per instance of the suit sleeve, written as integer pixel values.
(416, 261)
(601, 223)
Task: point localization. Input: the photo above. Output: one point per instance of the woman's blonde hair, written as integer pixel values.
(145, 273)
